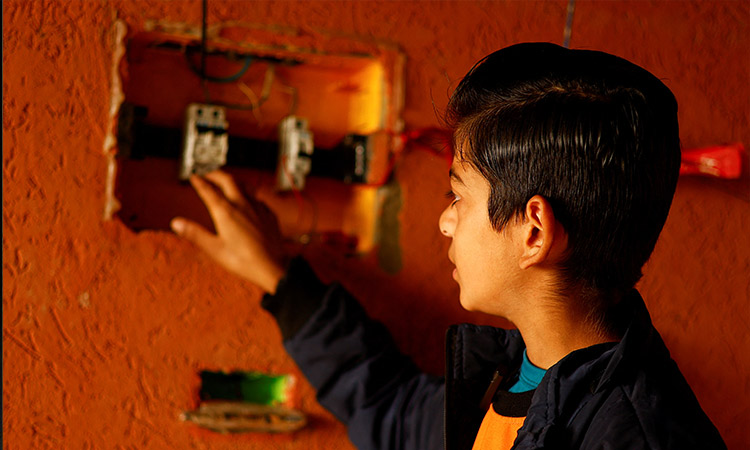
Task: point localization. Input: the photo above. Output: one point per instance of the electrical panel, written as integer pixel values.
(310, 124)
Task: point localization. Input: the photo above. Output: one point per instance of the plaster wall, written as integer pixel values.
(104, 330)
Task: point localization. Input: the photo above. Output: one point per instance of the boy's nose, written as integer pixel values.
(447, 222)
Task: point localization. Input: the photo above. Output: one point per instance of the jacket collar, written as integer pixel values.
(575, 379)
(474, 352)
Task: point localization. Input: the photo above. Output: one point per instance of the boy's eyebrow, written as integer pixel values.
(454, 176)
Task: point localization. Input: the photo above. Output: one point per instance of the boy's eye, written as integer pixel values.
(450, 195)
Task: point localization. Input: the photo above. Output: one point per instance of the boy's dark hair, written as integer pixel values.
(594, 134)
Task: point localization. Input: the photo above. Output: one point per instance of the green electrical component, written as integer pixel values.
(240, 402)
(249, 387)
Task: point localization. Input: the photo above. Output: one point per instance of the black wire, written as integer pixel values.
(203, 39)
(205, 78)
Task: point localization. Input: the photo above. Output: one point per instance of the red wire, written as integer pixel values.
(412, 137)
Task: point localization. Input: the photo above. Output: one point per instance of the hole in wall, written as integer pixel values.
(347, 91)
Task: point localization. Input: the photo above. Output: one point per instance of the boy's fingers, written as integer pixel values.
(226, 183)
(195, 233)
(215, 202)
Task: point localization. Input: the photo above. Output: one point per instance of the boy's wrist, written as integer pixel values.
(295, 297)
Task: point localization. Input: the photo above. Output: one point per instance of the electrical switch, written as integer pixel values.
(205, 140)
(295, 152)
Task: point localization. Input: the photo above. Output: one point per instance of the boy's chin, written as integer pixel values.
(480, 304)
(466, 302)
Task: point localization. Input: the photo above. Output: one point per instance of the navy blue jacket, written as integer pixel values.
(626, 395)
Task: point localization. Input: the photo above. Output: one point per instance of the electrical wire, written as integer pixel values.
(267, 81)
(415, 140)
(200, 71)
(203, 39)
(569, 23)
(264, 95)
(438, 136)
(292, 91)
(250, 94)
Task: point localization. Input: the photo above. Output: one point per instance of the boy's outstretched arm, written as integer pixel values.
(247, 242)
(351, 361)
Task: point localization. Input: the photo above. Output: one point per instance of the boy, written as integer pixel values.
(565, 166)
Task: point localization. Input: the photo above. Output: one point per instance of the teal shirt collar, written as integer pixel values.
(529, 376)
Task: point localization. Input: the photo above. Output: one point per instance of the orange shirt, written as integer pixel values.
(503, 419)
(497, 432)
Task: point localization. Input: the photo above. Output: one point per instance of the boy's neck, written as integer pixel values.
(551, 332)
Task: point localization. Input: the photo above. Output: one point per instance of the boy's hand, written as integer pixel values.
(248, 242)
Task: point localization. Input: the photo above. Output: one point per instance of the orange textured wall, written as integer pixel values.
(104, 330)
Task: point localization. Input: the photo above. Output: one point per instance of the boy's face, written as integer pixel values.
(486, 260)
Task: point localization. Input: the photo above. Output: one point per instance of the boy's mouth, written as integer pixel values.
(450, 258)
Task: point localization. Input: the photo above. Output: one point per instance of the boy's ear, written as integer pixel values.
(542, 238)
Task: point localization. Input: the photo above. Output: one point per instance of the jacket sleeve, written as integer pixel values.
(355, 367)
